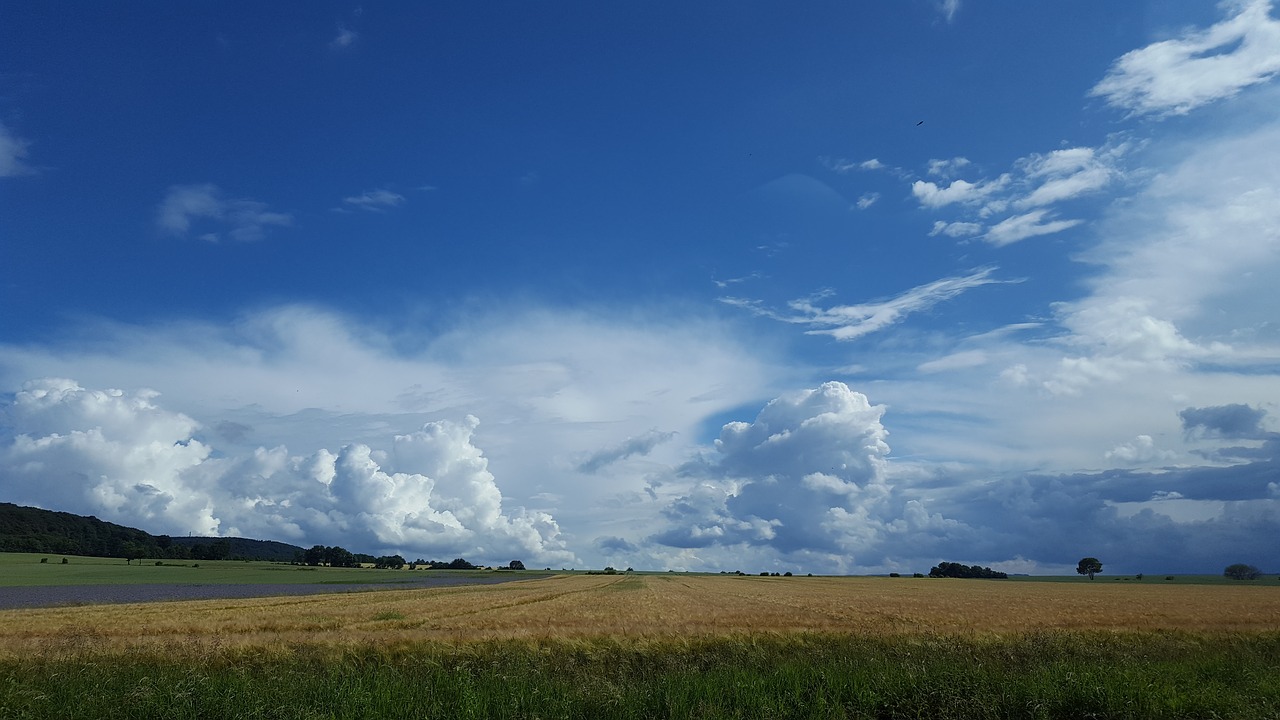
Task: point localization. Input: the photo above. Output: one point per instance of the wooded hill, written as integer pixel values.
(28, 529)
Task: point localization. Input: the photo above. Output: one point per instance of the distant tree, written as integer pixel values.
(314, 556)
(460, 564)
(220, 550)
(1241, 571)
(133, 551)
(515, 565)
(1089, 566)
(956, 570)
(340, 557)
(391, 562)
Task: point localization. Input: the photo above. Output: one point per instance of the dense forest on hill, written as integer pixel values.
(28, 529)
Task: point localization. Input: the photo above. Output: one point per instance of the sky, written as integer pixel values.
(830, 288)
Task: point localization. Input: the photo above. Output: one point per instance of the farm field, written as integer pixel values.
(662, 645)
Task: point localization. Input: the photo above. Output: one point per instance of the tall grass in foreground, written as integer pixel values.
(1043, 675)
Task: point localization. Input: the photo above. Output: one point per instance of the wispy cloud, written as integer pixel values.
(188, 209)
(947, 168)
(844, 165)
(955, 229)
(867, 200)
(13, 154)
(372, 201)
(949, 8)
(1020, 227)
(734, 281)
(632, 446)
(849, 322)
(345, 38)
(1175, 76)
(1064, 174)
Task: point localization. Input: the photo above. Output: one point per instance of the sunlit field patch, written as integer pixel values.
(651, 606)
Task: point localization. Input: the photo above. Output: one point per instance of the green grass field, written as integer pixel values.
(1055, 675)
(26, 570)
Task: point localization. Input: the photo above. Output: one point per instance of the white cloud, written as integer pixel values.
(849, 322)
(947, 168)
(955, 229)
(288, 396)
(867, 200)
(789, 480)
(949, 8)
(1139, 451)
(1175, 76)
(345, 38)
(811, 482)
(1065, 174)
(186, 206)
(125, 458)
(13, 154)
(1020, 227)
(374, 200)
(932, 195)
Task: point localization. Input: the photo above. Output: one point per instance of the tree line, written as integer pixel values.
(956, 570)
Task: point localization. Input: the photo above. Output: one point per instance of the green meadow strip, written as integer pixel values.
(1050, 675)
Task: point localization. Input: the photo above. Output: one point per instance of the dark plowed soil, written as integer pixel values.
(54, 596)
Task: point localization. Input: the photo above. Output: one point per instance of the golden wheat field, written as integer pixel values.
(644, 606)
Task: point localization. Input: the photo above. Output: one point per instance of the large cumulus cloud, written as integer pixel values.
(125, 458)
(806, 478)
(810, 483)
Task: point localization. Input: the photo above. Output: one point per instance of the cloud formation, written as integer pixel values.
(125, 458)
(632, 446)
(931, 195)
(1237, 421)
(373, 200)
(849, 322)
(13, 154)
(1038, 182)
(203, 209)
(1176, 76)
(345, 38)
(1020, 227)
(811, 482)
(801, 476)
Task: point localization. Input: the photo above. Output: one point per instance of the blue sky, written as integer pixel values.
(843, 287)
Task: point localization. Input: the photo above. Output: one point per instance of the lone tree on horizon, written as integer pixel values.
(1089, 566)
(1241, 571)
